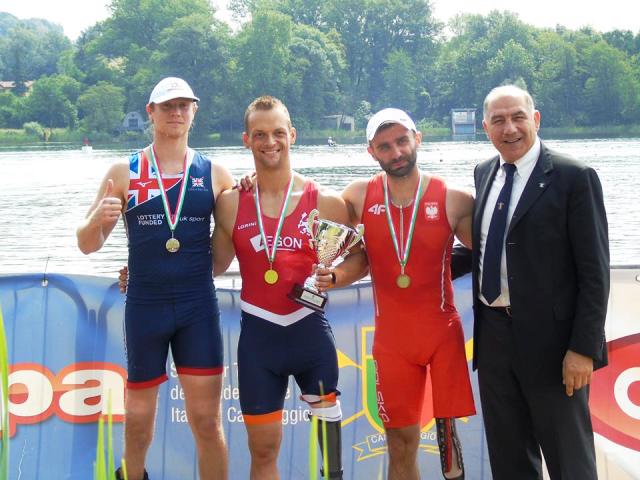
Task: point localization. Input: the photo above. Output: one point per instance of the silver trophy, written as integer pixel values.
(330, 240)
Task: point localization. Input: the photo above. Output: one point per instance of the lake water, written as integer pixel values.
(46, 193)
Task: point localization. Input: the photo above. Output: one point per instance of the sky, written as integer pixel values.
(604, 15)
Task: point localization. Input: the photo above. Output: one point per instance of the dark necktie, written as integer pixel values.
(495, 239)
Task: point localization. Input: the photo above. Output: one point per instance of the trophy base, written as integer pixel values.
(309, 298)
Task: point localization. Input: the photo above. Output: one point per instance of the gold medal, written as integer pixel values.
(403, 280)
(172, 245)
(271, 276)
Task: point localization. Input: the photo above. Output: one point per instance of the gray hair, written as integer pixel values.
(508, 90)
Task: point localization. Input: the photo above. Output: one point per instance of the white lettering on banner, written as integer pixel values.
(79, 393)
(176, 393)
(289, 416)
(88, 385)
(178, 415)
(621, 391)
(36, 394)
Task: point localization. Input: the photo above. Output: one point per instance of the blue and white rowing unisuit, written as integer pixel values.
(170, 296)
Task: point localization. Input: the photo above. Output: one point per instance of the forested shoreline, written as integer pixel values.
(322, 57)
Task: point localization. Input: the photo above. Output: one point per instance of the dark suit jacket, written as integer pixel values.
(557, 251)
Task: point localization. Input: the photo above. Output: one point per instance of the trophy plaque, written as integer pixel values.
(330, 240)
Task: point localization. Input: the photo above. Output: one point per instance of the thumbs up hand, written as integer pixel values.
(109, 208)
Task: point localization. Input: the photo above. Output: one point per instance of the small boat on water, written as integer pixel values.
(86, 146)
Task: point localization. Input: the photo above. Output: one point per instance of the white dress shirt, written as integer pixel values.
(524, 167)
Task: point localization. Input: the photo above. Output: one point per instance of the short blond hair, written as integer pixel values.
(265, 103)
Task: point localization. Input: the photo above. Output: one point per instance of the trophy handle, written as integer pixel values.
(311, 220)
(358, 236)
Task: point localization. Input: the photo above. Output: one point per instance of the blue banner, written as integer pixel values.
(66, 357)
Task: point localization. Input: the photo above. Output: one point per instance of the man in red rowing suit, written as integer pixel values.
(266, 228)
(410, 220)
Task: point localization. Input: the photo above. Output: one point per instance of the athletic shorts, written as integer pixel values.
(191, 328)
(402, 374)
(268, 353)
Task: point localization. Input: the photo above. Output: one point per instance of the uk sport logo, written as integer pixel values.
(197, 182)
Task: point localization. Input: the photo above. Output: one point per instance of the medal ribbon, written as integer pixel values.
(271, 255)
(172, 218)
(403, 256)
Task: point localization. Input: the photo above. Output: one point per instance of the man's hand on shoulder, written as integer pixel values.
(333, 207)
(354, 195)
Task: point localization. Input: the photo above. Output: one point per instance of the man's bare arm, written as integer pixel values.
(221, 240)
(355, 266)
(107, 207)
(222, 179)
(460, 214)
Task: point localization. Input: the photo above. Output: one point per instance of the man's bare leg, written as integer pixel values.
(264, 445)
(403, 449)
(139, 418)
(202, 404)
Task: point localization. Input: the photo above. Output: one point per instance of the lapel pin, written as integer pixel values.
(541, 184)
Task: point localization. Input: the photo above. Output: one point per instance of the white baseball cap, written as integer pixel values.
(169, 88)
(388, 115)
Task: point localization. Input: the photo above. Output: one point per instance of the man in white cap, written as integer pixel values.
(410, 220)
(167, 193)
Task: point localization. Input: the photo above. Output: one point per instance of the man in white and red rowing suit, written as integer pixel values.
(410, 219)
(266, 228)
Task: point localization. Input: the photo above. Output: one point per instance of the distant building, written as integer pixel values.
(10, 85)
(463, 122)
(339, 122)
(133, 122)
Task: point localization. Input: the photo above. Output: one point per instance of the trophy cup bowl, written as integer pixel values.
(330, 240)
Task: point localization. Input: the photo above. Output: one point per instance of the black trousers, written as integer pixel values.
(522, 418)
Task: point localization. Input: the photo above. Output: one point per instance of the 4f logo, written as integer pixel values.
(377, 209)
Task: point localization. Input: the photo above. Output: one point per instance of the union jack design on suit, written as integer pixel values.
(143, 185)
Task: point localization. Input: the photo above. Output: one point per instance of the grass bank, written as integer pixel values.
(19, 137)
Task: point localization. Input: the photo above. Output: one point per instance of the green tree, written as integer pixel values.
(557, 81)
(484, 52)
(371, 29)
(611, 92)
(11, 110)
(31, 50)
(400, 81)
(362, 113)
(195, 47)
(317, 66)
(263, 56)
(52, 101)
(510, 63)
(101, 107)
(140, 23)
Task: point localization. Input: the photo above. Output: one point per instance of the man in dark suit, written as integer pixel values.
(540, 287)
